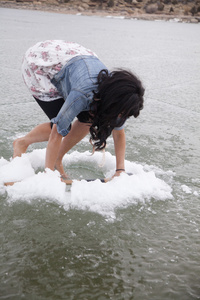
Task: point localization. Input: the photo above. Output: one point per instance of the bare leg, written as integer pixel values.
(77, 133)
(38, 134)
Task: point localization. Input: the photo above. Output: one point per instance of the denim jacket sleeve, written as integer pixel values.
(74, 104)
(121, 127)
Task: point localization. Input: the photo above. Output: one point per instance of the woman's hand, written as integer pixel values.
(118, 172)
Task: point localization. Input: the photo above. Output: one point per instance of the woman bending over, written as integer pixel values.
(69, 82)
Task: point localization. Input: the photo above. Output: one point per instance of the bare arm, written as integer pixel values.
(120, 147)
(53, 148)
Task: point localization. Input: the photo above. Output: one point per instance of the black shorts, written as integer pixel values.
(52, 108)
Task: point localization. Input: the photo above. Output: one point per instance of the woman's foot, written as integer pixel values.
(19, 147)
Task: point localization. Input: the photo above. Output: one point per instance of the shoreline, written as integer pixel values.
(64, 9)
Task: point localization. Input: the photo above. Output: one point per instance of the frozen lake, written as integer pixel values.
(136, 237)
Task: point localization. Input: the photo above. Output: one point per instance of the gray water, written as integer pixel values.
(150, 250)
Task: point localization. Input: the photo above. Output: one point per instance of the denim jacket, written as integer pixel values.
(76, 82)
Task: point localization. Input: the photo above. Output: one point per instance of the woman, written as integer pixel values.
(69, 81)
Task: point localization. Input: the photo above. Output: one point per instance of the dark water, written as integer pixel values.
(94, 241)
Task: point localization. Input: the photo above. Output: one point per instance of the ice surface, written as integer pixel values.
(33, 183)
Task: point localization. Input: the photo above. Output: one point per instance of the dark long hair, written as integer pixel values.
(120, 93)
